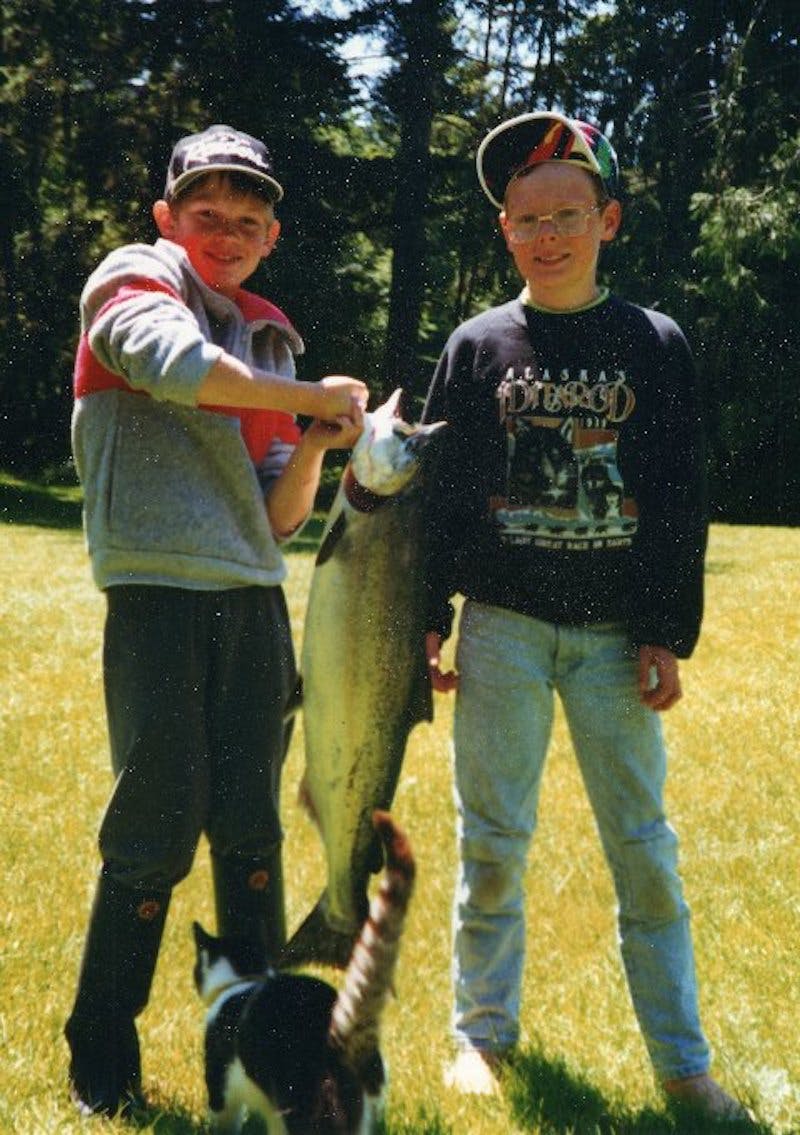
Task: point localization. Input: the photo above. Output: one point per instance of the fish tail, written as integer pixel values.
(355, 1021)
(316, 941)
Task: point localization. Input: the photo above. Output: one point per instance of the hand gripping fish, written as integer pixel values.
(365, 683)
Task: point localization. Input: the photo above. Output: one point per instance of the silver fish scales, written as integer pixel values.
(364, 677)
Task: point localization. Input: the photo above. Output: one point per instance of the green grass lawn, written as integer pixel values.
(733, 793)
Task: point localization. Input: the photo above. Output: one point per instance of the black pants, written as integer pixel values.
(196, 683)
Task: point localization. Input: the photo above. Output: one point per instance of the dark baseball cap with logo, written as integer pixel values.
(543, 136)
(220, 149)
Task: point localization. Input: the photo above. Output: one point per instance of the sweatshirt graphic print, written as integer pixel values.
(563, 484)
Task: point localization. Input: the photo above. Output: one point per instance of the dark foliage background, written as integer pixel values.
(387, 240)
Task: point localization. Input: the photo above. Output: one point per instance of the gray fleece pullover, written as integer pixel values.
(173, 496)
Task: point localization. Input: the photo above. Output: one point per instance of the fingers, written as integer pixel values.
(358, 406)
(443, 681)
(341, 432)
(659, 678)
(344, 397)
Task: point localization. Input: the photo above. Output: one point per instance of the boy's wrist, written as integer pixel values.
(307, 398)
(313, 400)
(231, 382)
(312, 442)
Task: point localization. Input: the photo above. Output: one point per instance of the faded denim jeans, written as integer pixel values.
(510, 666)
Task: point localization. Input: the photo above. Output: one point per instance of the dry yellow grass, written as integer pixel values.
(733, 792)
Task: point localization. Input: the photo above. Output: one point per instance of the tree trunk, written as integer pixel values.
(421, 75)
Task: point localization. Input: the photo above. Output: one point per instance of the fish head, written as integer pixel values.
(388, 455)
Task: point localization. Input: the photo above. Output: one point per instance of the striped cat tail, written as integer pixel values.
(355, 1021)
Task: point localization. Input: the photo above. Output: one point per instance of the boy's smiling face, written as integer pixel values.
(560, 271)
(225, 233)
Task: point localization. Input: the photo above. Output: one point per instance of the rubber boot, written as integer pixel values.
(248, 893)
(119, 960)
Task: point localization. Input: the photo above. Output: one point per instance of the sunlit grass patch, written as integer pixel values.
(734, 783)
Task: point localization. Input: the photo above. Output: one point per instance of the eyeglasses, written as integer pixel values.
(571, 220)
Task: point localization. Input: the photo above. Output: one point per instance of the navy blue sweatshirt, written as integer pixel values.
(572, 482)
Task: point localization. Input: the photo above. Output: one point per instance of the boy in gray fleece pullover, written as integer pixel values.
(193, 471)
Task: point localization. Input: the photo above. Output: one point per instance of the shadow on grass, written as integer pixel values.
(424, 1123)
(25, 502)
(545, 1096)
(176, 1121)
(172, 1120)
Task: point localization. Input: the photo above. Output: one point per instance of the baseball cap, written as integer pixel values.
(543, 136)
(219, 148)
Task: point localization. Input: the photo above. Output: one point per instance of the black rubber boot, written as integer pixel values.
(119, 960)
(248, 893)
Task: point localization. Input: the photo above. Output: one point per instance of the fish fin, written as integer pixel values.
(328, 545)
(420, 702)
(316, 941)
(306, 801)
(294, 702)
(394, 403)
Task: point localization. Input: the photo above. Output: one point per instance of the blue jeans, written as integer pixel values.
(510, 665)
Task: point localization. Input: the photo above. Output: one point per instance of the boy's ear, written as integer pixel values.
(271, 238)
(611, 220)
(165, 222)
(502, 221)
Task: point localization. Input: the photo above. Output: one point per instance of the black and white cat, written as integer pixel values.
(287, 1047)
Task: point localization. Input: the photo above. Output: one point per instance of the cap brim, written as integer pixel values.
(190, 175)
(503, 152)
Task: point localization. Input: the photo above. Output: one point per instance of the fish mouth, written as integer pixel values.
(416, 448)
(418, 442)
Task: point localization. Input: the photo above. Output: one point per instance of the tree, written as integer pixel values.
(92, 96)
(748, 255)
(55, 85)
(387, 240)
(419, 35)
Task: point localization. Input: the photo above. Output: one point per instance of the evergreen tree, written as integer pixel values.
(387, 240)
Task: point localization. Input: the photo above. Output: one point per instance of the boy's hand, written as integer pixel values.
(659, 680)
(443, 682)
(342, 397)
(343, 433)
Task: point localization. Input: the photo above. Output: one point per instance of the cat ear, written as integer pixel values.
(201, 938)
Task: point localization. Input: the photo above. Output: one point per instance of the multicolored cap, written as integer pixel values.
(543, 136)
(220, 148)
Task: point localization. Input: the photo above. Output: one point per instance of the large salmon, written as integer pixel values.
(363, 668)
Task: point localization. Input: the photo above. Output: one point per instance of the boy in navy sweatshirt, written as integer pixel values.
(570, 511)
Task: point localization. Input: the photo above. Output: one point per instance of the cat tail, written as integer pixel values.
(355, 1021)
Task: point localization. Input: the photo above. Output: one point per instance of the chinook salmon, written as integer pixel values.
(363, 669)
